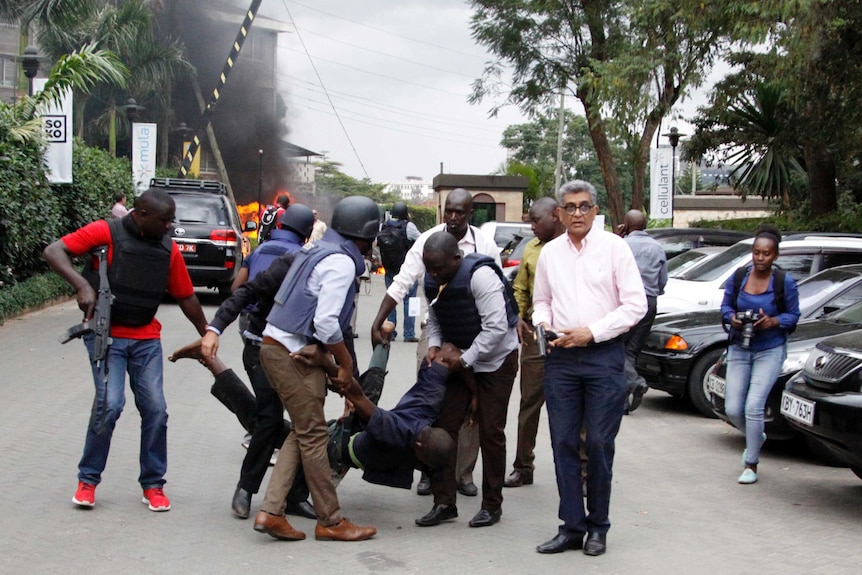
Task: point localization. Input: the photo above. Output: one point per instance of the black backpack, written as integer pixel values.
(393, 245)
(777, 284)
(267, 223)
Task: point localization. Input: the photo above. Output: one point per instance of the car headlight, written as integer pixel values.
(795, 361)
(676, 343)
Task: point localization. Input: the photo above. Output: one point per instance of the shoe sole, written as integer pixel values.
(84, 504)
(146, 502)
(274, 535)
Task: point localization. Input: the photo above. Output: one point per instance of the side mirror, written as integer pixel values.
(250, 226)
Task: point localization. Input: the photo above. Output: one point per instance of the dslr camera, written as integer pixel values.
(544, 337)
(747, 317)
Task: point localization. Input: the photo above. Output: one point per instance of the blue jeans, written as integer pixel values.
(409, 321)
(585, 387)
(142, 359)
(750, 377)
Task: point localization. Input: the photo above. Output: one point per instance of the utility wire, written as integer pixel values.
(319, 79)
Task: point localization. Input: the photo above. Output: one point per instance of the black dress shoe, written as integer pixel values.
(468, 489)
(424, 485)
(519, 477)
(596, 544)
(637, 396)
(241, 503)
(438, 514)
(561, 542)
(301, 508)
(485, 518)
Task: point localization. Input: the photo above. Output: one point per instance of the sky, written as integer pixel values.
(382, 87)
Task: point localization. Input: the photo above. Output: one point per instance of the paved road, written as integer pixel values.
(676, 507)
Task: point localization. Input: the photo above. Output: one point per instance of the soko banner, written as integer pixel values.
(57, 125)
(143, 155)
(660, 188)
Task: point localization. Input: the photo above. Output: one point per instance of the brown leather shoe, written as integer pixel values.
(519, 477)
(276, 526)
(344, 530)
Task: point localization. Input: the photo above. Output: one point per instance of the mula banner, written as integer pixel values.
(143, 155)
(660, 188)
(57, 125)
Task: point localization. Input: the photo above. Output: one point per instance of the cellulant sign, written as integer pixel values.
(57, 125)
(143, 155)
(660, 188)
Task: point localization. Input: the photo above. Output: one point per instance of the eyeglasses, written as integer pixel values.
(583, 208)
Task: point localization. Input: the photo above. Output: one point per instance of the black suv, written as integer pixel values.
(207, 229)
(824, 401)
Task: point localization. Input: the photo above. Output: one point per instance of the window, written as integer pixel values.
(8, 72)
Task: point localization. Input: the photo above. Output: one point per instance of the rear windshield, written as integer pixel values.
(714, 268)
(199, 209)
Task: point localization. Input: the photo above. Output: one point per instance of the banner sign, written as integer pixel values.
(57, 125)
(661, 189)
(143, 155)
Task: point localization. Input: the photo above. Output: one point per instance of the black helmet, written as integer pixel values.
(399, 211)
(297, 218)
(356, 217)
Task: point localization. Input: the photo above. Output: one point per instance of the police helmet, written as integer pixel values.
(297, 218)
(356, 217)
(399, 211)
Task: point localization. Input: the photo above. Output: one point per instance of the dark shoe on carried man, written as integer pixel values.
(596, 544)
(519, 477)
(468, 489)
(301, 508)
(562, 542)
(191, 351)
(424, 485)
(637, 396)
(438, 514)
(486, 518)
(241, 503)
(276, 526)
(344, 530)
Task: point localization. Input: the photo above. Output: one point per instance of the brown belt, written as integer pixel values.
(269, 341)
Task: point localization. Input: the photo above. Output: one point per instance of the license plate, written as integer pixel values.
(188, 248)
(715, 385)
(797, 409)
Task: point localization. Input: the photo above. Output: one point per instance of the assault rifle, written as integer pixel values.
(100, 326)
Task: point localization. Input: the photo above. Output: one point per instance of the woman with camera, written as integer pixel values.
(761, 304)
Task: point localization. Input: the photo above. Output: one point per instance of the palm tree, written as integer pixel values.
(80, 70)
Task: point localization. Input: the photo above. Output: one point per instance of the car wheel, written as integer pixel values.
(823, 454)
(697, 392)
(857, 471)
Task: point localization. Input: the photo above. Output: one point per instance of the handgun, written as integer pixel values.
(544, 337)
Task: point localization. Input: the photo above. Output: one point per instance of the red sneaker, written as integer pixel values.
(156, 499)
(85, 496)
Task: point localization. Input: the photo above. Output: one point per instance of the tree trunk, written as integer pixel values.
(606, 162)
(112, 131)
(821, 179)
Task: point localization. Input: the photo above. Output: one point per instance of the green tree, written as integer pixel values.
(332, 181)
(629, 60)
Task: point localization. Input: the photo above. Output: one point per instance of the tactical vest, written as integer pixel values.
(280, 242)
(138, 273)
(455, 308)
(295, 305)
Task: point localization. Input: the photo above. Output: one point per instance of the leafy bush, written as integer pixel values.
(98, 176)
(31, 293)
(29, 213)
(424, 218)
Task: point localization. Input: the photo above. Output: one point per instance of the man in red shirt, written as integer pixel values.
(143, 263)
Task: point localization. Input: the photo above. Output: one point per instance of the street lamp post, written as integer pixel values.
(259, 185)
(673, 137)
(133, 111)
(30, 63)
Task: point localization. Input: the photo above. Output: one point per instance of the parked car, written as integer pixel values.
(800, 344)
(207, 229)
(501, 232)
(695, 256)
(702, 286)
(514, 250)
(824, 401)
(681, 348)
(679, 240)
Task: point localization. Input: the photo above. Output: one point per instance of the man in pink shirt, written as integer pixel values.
(588, 291)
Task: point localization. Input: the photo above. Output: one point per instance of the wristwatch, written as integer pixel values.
(464, 364)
